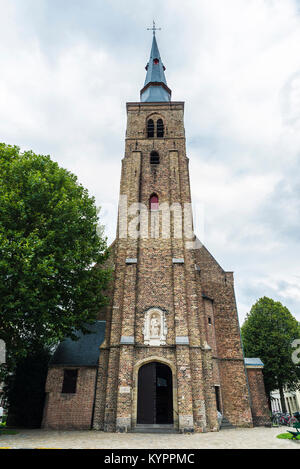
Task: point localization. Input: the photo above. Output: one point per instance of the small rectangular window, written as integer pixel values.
(209, 320)
(154, 157)
(69, 382)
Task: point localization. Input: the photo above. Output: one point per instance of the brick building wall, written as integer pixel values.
(259, 403)
(194, 294)
(69, 411)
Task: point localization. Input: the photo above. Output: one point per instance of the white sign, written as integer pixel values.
(125, 389)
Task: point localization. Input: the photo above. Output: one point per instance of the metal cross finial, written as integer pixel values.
(153, 28)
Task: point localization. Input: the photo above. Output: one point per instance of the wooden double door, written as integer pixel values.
(155, 394)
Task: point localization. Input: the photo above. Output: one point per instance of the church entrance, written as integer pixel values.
(155, 394)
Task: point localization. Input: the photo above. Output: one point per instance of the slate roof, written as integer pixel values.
(253, 362)
(83, 352)
(155, 73)
(155, 86)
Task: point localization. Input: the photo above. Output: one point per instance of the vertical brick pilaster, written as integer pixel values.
(124, 399)
(184, 389)
(209, 390)
(112, 390)
(100, 393)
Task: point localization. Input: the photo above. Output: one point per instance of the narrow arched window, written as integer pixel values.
(160, 128)
(154, 157)
(150, 128)
(153, 202)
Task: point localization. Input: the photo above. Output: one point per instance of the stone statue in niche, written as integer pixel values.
(155, 327)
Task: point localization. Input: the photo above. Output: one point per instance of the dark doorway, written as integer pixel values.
(155, 394)
(218, 401)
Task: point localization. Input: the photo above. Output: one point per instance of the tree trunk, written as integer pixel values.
(269, 401)
(283, 406)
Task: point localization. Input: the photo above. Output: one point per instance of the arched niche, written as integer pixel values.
(155, 327)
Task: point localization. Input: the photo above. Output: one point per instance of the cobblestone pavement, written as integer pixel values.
(234, 438)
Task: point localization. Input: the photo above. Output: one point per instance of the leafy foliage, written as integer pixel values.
(267, 333)
(287, 436)
(51, 278)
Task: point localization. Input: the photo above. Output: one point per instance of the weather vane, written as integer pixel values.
(154, 28)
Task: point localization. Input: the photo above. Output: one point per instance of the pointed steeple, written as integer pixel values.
(155, 87)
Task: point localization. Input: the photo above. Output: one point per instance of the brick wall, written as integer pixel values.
(69, 411)
(211, 354)
(259, 403)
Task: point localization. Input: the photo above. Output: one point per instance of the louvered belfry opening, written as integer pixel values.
(154, 157)
(160, 128)
(150, 128)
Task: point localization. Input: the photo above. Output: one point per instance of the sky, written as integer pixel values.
(67, 69)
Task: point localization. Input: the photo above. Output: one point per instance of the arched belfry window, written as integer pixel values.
(154, 157)
(153, 202)
(150, 128)
(160, 128)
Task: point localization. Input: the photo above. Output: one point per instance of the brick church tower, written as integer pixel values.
(171, 356)
(172, 353)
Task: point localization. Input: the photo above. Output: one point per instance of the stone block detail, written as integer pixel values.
(184, 340)
(127, 340)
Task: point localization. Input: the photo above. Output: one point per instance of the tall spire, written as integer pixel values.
(155, 87)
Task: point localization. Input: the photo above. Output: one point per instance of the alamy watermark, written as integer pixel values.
(158, 221)
(296, 353)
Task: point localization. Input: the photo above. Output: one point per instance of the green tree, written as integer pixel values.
(52, 276)
(268, 333)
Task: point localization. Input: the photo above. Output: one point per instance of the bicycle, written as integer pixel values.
(275, 418)
(287, 419)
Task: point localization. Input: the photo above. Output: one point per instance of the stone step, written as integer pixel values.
(225, 425)
(155, 428)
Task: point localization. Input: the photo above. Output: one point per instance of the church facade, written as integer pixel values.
(166, 353)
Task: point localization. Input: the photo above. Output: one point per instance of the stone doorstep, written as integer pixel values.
(154, 428)
(226, 424)
(155, 425)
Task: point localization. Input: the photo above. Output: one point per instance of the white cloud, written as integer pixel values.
(67, 71)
